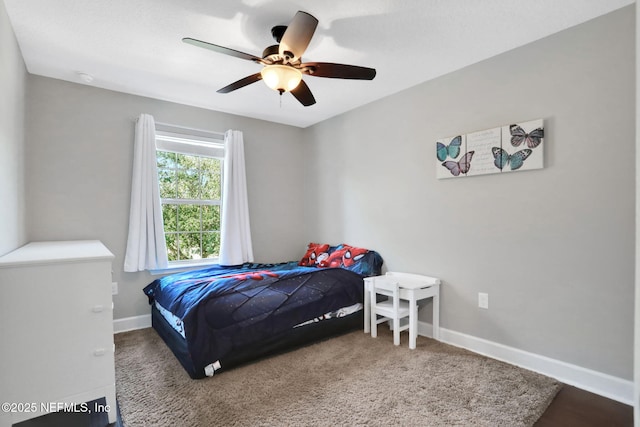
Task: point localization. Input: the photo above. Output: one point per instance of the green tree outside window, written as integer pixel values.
(191, 192)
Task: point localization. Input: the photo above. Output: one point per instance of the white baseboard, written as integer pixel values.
(131, 323)
(605, 385)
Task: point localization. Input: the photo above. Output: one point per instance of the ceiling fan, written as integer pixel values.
(283, 66)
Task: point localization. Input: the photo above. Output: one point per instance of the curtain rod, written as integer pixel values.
(190, 129)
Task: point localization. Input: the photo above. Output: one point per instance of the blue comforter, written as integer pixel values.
(224, 309)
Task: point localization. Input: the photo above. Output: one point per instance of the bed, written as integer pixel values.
(222, 316)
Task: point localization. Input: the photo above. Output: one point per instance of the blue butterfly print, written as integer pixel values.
(516, 160)
(452, 150)
(532, 139)
(463, 166)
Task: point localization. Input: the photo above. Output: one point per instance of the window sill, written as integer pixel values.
(179, 267)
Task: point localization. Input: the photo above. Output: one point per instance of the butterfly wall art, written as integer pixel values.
(513, 147)
(523, 143)
(452, 157)
(460, 167)
(451, 150)
(531, 139)
(504, 159)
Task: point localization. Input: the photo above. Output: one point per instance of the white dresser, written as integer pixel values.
(56, 330)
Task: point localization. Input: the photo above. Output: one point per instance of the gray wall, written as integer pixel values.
(79, 155)
(553, 248)
(12, 89)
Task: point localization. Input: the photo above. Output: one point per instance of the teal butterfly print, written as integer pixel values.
(515, 160)
(452, 150)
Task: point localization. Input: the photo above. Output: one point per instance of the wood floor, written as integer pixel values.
(572, 407)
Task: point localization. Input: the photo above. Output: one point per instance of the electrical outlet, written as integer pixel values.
(114, 288)
(483, 300)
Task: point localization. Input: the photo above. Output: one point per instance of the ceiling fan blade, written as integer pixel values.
(297, 36)
(222, 49)
(241, 83)
(338, 71)
(303, 94)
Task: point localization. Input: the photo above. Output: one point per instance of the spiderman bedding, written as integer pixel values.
(226, 311)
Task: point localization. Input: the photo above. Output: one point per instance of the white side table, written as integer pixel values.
(413, 288)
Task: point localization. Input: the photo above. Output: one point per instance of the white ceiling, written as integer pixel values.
(135, 46)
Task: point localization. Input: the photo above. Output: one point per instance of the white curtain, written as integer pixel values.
(146, 247)
(235, 239)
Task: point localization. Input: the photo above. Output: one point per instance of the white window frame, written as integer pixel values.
(198, 143)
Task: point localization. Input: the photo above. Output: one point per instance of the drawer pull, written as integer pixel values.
(99, 352)
(98, 308)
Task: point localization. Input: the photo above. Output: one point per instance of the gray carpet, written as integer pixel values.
(349, 380)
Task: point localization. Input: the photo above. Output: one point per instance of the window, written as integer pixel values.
(190, 170)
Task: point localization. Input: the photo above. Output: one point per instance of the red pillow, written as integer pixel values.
(344, 256)
(353, 255)
(314, 254)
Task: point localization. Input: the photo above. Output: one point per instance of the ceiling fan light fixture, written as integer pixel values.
(282, 78)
